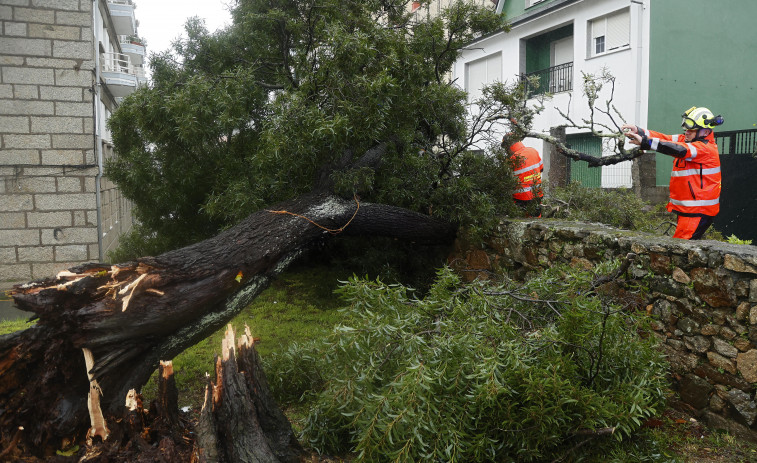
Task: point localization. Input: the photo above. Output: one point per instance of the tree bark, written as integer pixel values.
(130, 316)
(239, 420)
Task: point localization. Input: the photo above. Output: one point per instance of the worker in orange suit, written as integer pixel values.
(527, 166)
(695, 180)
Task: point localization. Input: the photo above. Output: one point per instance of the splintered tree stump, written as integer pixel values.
(240, 420)
(167, 403)
(138, 435)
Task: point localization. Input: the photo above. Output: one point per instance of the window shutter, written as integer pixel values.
(482, 72)
(618, 30)
(476, 78)
(494, 68)
(598, 27)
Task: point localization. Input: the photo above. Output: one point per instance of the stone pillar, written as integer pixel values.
(644, 173)
(559, 165)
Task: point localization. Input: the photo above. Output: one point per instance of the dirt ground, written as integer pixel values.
(698, 444)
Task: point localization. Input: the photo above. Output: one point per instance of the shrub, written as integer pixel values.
(475, 372)
(617, 208)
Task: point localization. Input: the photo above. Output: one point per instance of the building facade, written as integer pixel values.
(64, 66)
(433, 8)
(665, 56)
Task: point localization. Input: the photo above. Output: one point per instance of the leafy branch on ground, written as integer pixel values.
(459, 375)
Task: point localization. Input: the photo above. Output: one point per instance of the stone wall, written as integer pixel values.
(48, 162)
(702, 298)
(47, 152)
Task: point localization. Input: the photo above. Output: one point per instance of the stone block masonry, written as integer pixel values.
(701, 300)
(48, 205)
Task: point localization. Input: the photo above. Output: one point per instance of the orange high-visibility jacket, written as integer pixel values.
(695, 180)
(527, 166)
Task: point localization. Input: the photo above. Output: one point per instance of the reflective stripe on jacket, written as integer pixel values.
(527, 166)
(695, 180)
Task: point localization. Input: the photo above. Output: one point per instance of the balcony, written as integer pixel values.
(121, 75)
(555, 79)
(134, 47)
(122, 14)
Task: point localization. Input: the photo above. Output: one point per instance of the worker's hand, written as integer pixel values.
(632, 133)
(633, 138)
(628, 128)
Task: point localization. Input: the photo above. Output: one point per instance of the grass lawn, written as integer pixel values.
(298, 307)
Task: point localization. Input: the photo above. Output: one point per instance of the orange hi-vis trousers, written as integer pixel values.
(692, 226)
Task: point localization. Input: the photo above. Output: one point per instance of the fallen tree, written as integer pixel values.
(128, 317)
(311, 100)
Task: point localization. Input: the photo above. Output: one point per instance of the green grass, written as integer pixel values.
(298, 307)
(9, 326)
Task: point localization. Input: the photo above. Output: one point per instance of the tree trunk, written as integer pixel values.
(240, 421)
(130, 316)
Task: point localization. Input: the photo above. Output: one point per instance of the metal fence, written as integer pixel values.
(738, 197)
(737, 141)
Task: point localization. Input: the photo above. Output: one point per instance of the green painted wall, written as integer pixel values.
(514, 8)
(538, 48)
(702, 53)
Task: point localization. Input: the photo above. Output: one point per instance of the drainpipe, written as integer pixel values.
(636, 171)
(639, 60)
(98, 128)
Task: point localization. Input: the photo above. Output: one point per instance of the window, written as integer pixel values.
(482, 72)
(599, 44)
(530, 3)
(609, 33)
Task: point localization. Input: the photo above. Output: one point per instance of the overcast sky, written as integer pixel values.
(162, 21)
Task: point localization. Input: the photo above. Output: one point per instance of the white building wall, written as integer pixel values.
(629, 65)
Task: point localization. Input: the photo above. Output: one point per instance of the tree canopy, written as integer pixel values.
(296, 97)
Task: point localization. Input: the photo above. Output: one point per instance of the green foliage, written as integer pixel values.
(140, 241)
(733, 239)
(392, 261)
(617, 208)
(474, 372)
(292, 95)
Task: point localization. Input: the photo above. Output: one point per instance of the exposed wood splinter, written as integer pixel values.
(131, 400)
(133, 286)
(65, 274)
(227, 343)
(99, 427)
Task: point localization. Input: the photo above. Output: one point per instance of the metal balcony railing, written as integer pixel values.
(117, 62)
(553, 80)
(120, 62)
(130, 39)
